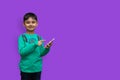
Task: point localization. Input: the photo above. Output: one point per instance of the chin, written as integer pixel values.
(31, 30)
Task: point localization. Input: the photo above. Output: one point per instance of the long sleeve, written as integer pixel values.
(44, 50)
(24, 47)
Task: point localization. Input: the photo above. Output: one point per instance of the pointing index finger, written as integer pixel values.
(42, 40)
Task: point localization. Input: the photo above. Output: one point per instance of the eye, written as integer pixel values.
(27, 22)
(33, 22)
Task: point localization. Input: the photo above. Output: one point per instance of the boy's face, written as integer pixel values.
(30, 24)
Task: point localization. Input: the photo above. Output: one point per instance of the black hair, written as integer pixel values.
(28, 15)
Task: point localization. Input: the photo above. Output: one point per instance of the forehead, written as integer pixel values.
(30, 19)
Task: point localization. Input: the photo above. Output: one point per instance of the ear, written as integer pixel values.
(24, 25)
(37, 23)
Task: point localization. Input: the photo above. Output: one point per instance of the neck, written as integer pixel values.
(30, 32)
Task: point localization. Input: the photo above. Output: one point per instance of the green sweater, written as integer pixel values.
(31, 53)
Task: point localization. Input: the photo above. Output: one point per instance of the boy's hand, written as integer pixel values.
(49, 44)
(40, 42)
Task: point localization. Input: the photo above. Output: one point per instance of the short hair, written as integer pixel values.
(28, 15)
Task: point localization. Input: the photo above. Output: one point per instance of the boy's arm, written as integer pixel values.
(44, 50)
(24, 47)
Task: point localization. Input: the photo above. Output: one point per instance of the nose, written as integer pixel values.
(30, 24)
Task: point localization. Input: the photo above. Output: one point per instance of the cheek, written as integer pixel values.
(27, 24)
(35, 25)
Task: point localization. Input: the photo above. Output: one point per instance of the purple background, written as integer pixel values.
(87, 33)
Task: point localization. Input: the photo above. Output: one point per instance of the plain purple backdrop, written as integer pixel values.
(87, 33)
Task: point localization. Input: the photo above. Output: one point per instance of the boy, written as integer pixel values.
(31, 49)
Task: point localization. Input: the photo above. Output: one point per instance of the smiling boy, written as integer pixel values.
(31, 48)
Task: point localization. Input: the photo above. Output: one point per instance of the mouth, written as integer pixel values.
(30, 26)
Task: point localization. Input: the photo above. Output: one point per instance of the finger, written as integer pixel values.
(42, 40)
(46, 46)
(50, 44)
